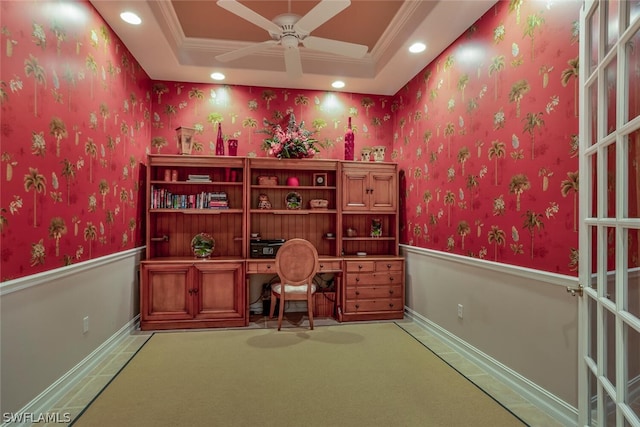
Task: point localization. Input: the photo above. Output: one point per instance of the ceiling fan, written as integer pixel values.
(289, 30)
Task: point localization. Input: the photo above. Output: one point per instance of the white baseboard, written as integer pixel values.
(547, 402)
(45, 401)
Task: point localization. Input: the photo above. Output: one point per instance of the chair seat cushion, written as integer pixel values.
(301, 289)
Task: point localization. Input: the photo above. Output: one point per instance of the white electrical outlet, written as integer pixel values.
(85, 325)
(460, 311)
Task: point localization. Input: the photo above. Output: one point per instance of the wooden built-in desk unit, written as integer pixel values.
(347, 210)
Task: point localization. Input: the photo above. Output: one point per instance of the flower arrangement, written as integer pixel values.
(294, 142)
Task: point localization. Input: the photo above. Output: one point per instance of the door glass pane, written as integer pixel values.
(633, 176)
(633, 11)
(633, 279)
(609, 330)
(612, 23)
(593, 30)
(593, 400)
(593, 261)
(594, 186)
(632, 392)
(593, 330)
(632, 76)
(610, 95)
(593, 112)
(610, 411)
(611, 181)
(610, 292)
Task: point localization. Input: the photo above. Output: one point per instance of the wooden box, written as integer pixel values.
(267, 180)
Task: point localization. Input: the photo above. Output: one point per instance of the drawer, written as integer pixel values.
(360, 266)
(330, 266)
(389, 265)
(386, 304)
(375, 278)
(254, 267)
(367, 292)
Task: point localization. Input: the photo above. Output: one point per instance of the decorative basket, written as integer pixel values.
(267, 180)
(318, 204)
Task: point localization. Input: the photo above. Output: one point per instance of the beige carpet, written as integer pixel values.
(373, 374)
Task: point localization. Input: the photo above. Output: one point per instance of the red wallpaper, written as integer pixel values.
(487, 136)
(75, 128)
(241, 111)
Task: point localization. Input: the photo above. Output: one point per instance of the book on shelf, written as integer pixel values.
(198, 178)
(162, 198)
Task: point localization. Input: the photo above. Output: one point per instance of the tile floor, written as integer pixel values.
(83, 393)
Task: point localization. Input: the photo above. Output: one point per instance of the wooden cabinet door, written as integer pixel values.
(355, 190)
(166, 292)
(383, 192)
(219, 291)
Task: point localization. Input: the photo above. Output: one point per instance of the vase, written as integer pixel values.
(233, 147)
(219, 142)
(349, 142)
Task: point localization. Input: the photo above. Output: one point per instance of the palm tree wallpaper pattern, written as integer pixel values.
(62, 71)
(485, 136)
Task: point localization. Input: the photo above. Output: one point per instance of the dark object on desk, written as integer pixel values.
(265, 248)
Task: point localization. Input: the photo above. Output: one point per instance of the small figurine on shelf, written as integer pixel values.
(376, 227)
(263, 202)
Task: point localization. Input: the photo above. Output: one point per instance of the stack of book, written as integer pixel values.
(218, 200)
(198, 178)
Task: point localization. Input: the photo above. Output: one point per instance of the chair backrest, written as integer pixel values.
(297, 262)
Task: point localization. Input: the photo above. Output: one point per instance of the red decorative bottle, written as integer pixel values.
(219, 142)
(349, 143)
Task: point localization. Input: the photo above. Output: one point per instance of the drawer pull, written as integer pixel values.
(389, 266)
(357, 279)
(360, 266)
(268, 266)
(357, 292)
(321, 266)
(391, 291)
(357, 306)
(391, 279)
(390, 305)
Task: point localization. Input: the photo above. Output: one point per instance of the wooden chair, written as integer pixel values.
(296, 265)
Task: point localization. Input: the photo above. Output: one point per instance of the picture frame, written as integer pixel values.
(320, 179)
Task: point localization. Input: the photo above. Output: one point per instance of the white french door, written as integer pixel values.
(609, 310)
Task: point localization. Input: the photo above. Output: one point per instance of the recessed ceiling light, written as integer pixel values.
(130, 18)
(217, 76)
(338, 84)
(417, 47)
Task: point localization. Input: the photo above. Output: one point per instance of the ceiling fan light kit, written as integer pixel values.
(290, 30)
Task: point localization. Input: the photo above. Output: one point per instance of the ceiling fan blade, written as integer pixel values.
(338, 47)
(320, 14)
(292, 62)
(239, 53)
(245, 13)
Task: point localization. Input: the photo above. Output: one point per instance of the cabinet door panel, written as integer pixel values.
(219, 291)
(383, 196)
(166, 294)
(355, 190)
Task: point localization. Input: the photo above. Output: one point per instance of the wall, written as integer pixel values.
(75, 132)
(517, 323)
(42, 322)
(487, 138)
(241, 112)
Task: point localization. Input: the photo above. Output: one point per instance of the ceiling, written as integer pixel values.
(178, 41)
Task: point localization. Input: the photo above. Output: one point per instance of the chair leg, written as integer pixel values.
(272, 307)
(310, 310)
(281, 311)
